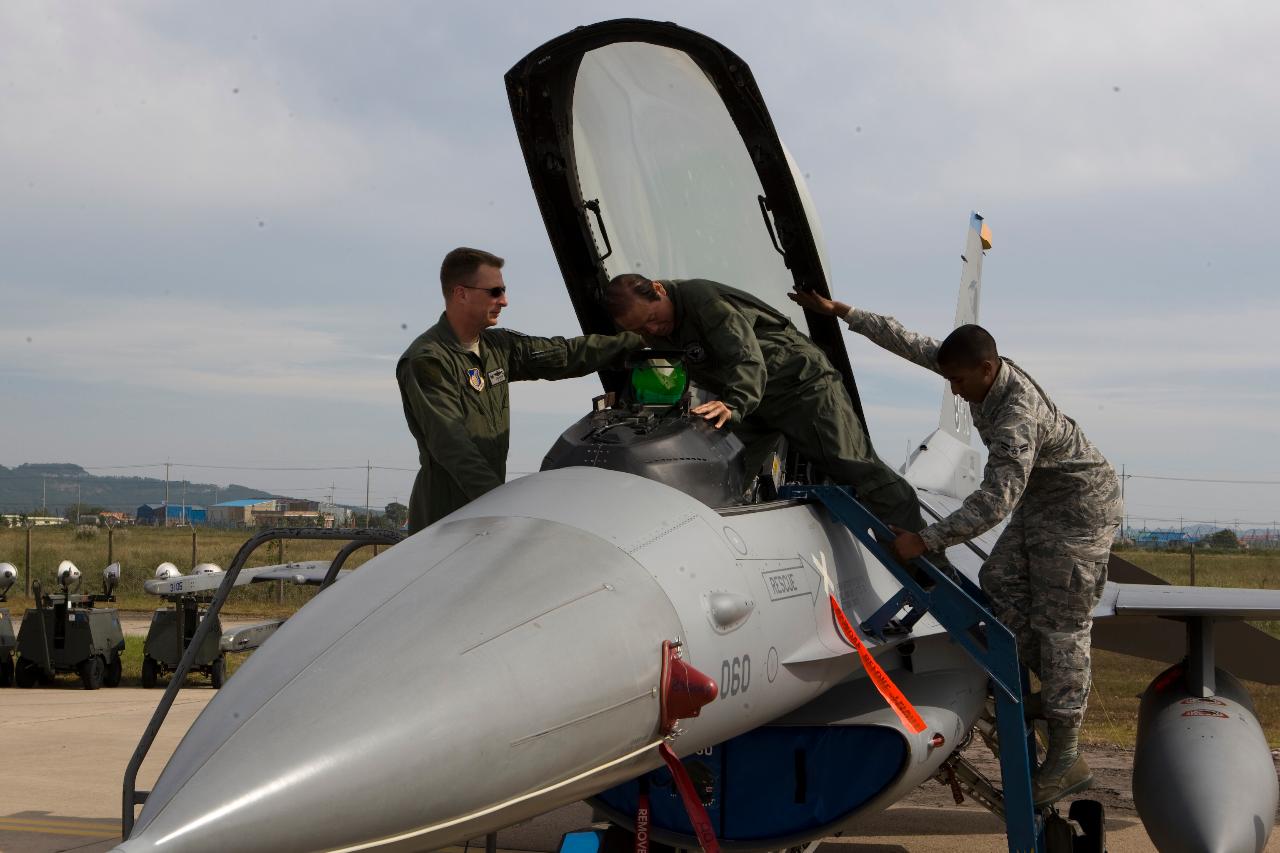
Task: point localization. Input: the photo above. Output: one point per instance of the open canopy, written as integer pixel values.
(651, 150)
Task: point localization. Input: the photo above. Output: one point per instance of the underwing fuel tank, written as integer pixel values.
(1203, 779)
(499, 664)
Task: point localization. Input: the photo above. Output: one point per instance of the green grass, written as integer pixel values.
(140, 549)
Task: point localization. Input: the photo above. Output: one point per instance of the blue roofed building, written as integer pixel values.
(164, 515)
(1159, 539)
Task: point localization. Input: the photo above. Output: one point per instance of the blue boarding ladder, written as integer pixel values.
(958, 607)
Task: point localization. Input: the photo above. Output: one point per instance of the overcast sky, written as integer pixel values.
(221, 223)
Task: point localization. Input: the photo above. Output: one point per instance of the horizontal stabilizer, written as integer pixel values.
(1240, 648)
(1166, 600)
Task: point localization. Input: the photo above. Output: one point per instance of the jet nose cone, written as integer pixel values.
(467, 667)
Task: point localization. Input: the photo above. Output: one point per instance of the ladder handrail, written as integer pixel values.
(359, 537)
(994, 648)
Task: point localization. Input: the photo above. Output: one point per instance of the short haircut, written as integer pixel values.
(968, 346)
(625, 289)
(460, 267)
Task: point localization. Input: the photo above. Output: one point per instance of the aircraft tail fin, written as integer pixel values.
(945, 463)
(955, 412)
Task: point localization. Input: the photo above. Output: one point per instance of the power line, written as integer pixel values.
(270, 468)
(1204, 480)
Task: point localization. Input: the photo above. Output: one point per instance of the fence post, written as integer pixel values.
(111, 544)
(1193, 564)
(280, 583)
(27, 566)
(193, 546)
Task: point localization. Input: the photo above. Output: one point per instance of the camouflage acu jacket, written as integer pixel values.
(1038, 458)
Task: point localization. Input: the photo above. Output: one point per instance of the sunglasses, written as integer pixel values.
(495, 292)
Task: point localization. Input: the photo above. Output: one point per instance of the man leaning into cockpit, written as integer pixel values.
(769, 377)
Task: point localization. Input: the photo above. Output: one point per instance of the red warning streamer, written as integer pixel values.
(692, 803)
(900, 704)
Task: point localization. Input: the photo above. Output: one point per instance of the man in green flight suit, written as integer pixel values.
(453, 383)
(769, 377)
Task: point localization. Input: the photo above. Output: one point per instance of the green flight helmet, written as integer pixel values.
(658, 382)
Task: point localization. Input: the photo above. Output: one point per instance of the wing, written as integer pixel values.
(1143, 616)
(305, 572)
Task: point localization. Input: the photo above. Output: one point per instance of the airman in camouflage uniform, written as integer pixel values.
(1047, 570)
(455, 392)
(770, 379)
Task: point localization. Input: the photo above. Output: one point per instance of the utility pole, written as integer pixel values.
(368, 474)
(44, 495)
(166, 493)
(77, 501)
(184, 501)
(1124, 517)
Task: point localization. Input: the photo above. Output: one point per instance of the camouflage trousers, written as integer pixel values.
(1043, 582)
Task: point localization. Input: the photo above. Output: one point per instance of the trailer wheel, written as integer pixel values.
(114, 671)
(27, 674)
(218, 671)
(148, 672)
(1092, 819)
(92, 670)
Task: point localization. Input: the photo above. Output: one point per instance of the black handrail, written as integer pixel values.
(358, 538)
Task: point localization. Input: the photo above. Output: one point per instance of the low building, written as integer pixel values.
(18, 520)
(242, 513)
(167, 515)
(1161, 539)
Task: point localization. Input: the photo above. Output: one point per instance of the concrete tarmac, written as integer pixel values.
(63, 753)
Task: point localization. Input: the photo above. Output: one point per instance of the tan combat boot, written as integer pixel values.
(1064, 770)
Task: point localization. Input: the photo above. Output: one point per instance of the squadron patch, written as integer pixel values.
(497, 377)
(694, 353)
(474, 377)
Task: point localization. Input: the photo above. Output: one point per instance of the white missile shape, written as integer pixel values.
(499, 664)
(1203, 779)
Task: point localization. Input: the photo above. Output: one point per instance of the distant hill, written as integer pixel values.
(21, 489)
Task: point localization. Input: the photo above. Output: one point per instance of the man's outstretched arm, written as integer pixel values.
(880, 330)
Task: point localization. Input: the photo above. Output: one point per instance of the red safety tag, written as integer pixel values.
(900, 704)
(692, 804)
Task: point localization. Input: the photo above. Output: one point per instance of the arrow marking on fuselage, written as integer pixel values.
(818, 562)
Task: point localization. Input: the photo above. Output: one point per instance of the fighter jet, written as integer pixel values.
(645, 598)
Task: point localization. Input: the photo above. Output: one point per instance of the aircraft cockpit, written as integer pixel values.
(651, 151)
(647, 429)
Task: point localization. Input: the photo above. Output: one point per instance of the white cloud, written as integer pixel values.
(200, 347)
(100, 107)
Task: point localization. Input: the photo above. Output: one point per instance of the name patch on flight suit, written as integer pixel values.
(497, 377)
(474, 377)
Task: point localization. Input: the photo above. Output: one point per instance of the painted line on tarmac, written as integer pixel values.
(58, 826)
